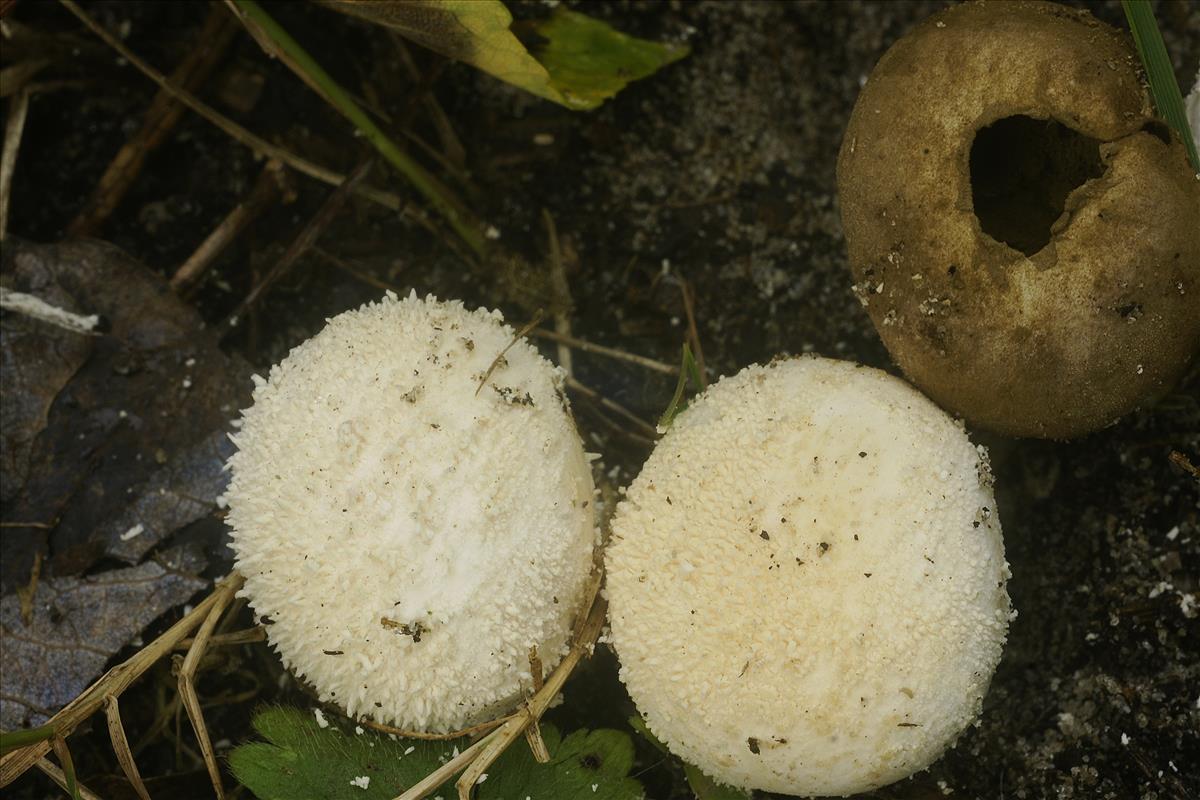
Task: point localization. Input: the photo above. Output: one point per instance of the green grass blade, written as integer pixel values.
(688, 370)
(438, 195)
(15, 740)
(1159, 72)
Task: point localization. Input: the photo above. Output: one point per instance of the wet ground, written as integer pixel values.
(717, 176)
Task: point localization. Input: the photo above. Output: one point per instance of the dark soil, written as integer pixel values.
(717, 172)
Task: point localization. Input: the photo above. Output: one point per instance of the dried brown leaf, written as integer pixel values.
(114, 441)
(77, 626)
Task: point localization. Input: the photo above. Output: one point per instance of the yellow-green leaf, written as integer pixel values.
(580, 62)
(589, 61)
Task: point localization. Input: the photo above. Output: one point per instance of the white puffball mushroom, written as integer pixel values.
(409, 533)
(807, 580)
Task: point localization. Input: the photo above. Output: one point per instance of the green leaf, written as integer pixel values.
(580, 62)
(704, 787)
(302, 760)
(589, 61)
(1159, 72)
(688, 369)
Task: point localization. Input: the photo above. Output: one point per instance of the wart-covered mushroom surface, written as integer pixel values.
(1024, 233)
(409, 523)
(807, 580)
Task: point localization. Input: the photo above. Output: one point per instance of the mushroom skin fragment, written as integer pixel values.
(807, 580)
(409, 532)
(1023, 231)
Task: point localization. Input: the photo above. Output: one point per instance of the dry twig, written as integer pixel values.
(120, 743)
(357, 273)
(187, 683)
(112, 683)
(520, 335)
(562, 293)
(58, 776)
(268, 186)
(476, 759)
(14, 77)
(645, 429)
(17, 109)
(499, 740)
(609, 352)
(160, 120)
(253, 141)
(245, 636)
(474, 730)
(302, 243)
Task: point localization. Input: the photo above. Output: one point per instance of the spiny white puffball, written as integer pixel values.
(409, 534)
(807, 580)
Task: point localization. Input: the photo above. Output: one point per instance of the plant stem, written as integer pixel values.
(438, 195)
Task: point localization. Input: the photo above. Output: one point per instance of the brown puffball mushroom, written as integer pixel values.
(1024, 233)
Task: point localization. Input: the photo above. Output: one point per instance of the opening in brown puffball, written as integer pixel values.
(1022, 170)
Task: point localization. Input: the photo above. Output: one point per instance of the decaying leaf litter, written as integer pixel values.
(713, 177)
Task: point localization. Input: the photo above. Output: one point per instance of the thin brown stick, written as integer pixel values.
(499, 741)
(608, 352)
(455, 154)
(116, 732)
(17, 109)
(616, 427)
(303, 242)
(520, 335)
(245, 636)
(162, 721)
(537, 745)
(251, 140)
(187, 685)
(267, 187)
(476, 759)
(536, 669)
(14, 78)
(443, 773)
(689, 309)
(113, 682)
(645, 428)
(348, 268)
(474, 730)
(562, 292)
(533, 734)
(26, 593)
(55, 774)
(160, 121)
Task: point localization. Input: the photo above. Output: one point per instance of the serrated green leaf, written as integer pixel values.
(302, 760)
(579, 63)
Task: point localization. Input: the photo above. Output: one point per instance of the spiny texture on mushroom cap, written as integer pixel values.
(1104, 315)
(409, 537)
(806, 581)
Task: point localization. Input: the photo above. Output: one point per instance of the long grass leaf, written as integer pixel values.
(298, 59)
(1159, 72)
